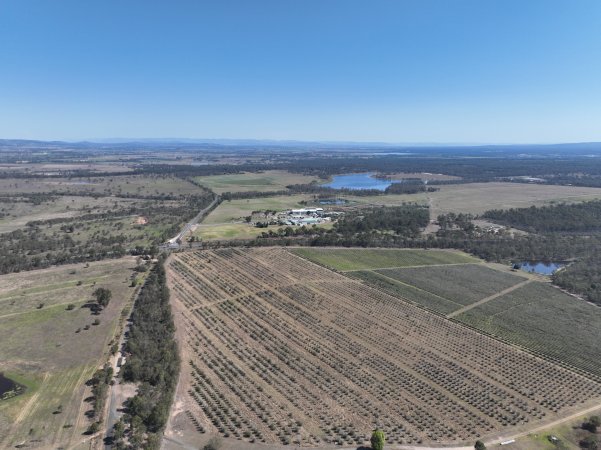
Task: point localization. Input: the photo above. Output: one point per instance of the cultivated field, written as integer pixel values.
(277, 349)
(367, 259)
(268, 181)
(542, 318)
(54, 348)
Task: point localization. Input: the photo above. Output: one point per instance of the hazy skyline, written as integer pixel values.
(385, 71)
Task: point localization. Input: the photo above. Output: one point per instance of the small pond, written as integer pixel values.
(543, 268)
(8, 388)
(358, 181)
(333, 201)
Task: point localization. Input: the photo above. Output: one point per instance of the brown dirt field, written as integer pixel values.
(277, 350)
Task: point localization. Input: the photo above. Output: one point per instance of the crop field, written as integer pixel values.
(542, 318)
(268, 181)
(54, 348)
(280, 350)
(368, 259)
(463, 285)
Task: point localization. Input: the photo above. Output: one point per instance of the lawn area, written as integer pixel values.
(236, 210)
(268, 181)
(368, 259)
(544, 319)
(46, 346)
(462, 285)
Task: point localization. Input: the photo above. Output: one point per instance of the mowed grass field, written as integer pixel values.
(228, 231)
(367, 259)
(268, 181)
(42, 348)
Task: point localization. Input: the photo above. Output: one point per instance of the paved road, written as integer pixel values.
(175, 241)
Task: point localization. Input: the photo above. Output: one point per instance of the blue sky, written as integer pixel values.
(458, 71)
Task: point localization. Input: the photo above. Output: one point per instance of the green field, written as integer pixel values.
(462, 285)
(268, 181)
(369, 259)
(46, 346)
(544, 319)
(236, 210)
(406, 292)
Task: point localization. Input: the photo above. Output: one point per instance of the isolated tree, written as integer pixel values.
(480, 445)
(377, 439)
(103, 297)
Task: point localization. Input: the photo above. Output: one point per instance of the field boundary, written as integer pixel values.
(488, 299)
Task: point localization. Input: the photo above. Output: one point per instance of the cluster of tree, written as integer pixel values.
(153, 361)
(100, 382)
(407, 220)
(578, 217)
(452, 221)
(409, 188)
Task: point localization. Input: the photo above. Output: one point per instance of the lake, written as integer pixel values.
(357, 181)
(544, 268)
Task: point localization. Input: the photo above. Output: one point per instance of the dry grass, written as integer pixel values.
(268, 181)
(43, 348)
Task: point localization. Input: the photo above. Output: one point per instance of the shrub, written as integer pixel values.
(377, 440)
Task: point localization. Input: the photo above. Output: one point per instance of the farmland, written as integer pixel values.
(51, 345)
(544, 319)
(362, 259)
(279, 350)
(268, 181)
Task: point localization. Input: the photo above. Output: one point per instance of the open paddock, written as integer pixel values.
(475, 198)
(279, 350)
(54, 348)
(267, 181)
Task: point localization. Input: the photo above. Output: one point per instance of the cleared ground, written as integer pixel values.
(128, 185)
(279, 350)
(362, 259)
(475, 198)
(46, 346)
(268, 181)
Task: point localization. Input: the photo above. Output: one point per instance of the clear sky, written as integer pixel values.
(480, 71)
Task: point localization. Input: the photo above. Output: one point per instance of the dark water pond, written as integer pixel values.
(544, 268)
(358, 181)
(8, 388)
